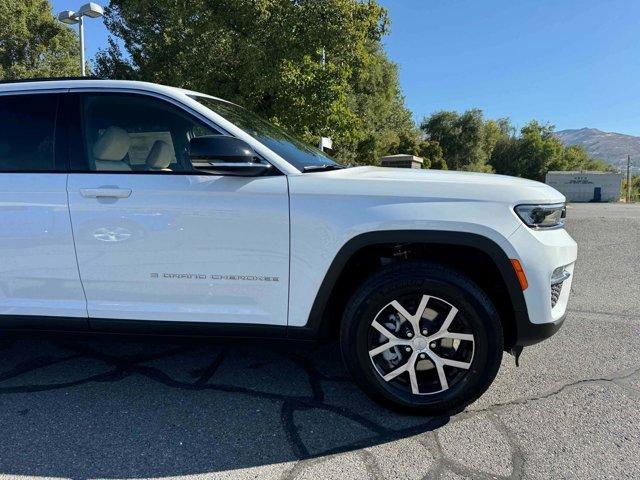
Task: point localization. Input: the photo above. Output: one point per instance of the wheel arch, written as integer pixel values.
(441, 245)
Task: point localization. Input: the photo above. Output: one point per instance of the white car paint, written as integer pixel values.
(38, 270)
(170, 250)
(330, 208)
(289, 227)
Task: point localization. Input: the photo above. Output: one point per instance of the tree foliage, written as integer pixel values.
(536, 151)
(33, 43)
(462, 138)
(316, 67)
(635, 188)
(470, 143)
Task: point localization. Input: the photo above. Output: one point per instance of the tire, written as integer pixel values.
(469, 362)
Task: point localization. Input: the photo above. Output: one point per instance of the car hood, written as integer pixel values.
(440, 184)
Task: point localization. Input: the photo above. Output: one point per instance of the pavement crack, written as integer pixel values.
(621, 375)
(370, 464)
(34, 364)
(517, 454)
(627, 316)
(313, 376)
(212, 368)
(291, 431)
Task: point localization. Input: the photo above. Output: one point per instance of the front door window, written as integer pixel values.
(134, 133)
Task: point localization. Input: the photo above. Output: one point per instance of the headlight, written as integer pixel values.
(542, 216)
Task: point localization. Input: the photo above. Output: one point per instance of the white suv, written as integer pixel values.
(135, 207)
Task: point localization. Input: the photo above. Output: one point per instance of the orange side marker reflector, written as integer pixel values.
(522, 278)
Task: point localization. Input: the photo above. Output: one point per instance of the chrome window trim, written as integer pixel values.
(4, 93)
(160, 96)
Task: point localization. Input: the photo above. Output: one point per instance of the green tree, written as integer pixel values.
(635, 188)
(33, 43)
(432, 154)
(504, 157)
(461, 137)
(576, 158)
(468, 142)
(494, 132)
(537, 151)
(316, 67)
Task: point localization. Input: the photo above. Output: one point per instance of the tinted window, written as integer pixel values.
(125, 132)
(297, 153)
(27, 130)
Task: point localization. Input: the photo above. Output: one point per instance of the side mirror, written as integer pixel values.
(225, 155)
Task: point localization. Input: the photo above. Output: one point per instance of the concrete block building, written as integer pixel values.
(587, 186)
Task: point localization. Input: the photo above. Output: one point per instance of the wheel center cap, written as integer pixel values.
(420, 343)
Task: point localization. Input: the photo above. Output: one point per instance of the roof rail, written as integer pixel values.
(49, 79)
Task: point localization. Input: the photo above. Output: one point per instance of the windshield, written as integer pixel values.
(302, 156)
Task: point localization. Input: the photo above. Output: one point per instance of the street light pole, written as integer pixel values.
(91, 10)
(81, 34)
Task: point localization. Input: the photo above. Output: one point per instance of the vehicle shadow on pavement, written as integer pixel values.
(112, 408)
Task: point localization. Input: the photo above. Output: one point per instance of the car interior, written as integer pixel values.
(131, 133)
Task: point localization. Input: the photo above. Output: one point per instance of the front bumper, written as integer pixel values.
(531, 333)
(541, 252)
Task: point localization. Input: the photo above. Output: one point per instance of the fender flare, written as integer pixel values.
(316, 320)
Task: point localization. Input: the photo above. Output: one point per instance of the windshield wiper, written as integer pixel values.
(322, 168)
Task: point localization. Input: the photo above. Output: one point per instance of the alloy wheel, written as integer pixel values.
(425, 352)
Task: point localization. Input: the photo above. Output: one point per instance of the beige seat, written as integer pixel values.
(110, 150)
(159, 157)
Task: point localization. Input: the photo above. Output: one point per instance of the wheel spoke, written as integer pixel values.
(453, 335)
(413, 378)
(382, 329)
(394, 373)
(401, 310)
(414, 319)
(456, 363)
(381, 348)
(409, 364)
(421, 308)
(444, 384)
(447, 321)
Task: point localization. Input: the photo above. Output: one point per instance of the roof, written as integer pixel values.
(89, 82)
(47, 79)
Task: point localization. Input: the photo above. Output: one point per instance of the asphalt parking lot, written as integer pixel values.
(112, 409)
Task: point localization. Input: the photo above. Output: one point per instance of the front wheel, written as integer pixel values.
(422, 338)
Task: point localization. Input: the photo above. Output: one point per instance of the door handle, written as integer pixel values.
(105, 192)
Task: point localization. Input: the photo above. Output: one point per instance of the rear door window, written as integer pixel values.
(27, 132)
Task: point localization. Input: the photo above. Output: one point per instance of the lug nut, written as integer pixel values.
(407, 349)
(425, 332)
(409, 334)
(433, 345)
(423, 355)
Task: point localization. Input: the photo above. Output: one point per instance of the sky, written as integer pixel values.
(567, 62)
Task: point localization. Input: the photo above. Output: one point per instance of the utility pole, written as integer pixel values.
(628, 178)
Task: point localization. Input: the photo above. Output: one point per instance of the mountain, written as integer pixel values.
(611, 147)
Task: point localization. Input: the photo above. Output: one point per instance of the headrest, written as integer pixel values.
(160, 156)
(113, 145)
